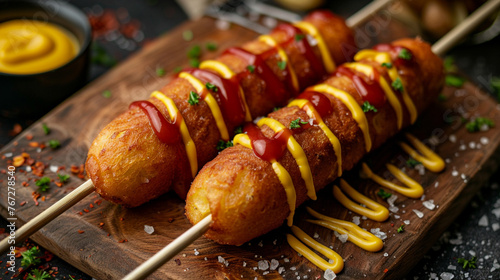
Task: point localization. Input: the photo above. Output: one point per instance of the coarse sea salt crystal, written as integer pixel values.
(286, 260)
(386, 254)
(429, 204)
(220, 259)
(392, 199)
(419, 213)
(316, 235)
(293, 268)
(393, 209)
(483, 221)
(462, 147)
(420, 168)
(484, 140)
(378, 233)
(244, 264)
(446, 276)
(8, 155)
(329, 274)
(274, 264)
(495, 226)
(149, 229)
(454, 173)
(452, 138)
(496, 212)
(407, 222)
(281, 269)
(356, 220)
(343, 238)
(472, 144)
(53, 168)
(196, 253)
(28, 168)
(452, 267)
(263, 265)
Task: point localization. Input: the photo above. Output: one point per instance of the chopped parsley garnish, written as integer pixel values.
(299, 37)
(442, 97)
(187, 35)
(211, 87)
(401, 228)
(282, 65)
(106, 93)
(238, 130)
(479, 124)
(405, 54)
(411, 162)
(398, 85)
(177, 69)
(368, 107)
(449, 64)
(387, 65)
(160, 71)
(211, 46)
(101, 57)
(30, 257)
(276, 109)
(46, 129)
(194, 62)
(467, 263)
(454, 81)
(383, 194)
(251, 68)
(194, 98)
(297, 123)
(63, 177)
(43, 184)
(495, 84)
(38, 275)
(54, 144)
(194, 52)
(223, 144)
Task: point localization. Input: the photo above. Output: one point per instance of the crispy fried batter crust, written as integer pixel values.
(243, 192)
(129, 165)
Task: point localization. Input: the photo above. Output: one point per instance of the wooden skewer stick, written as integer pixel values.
(459, 32)
(86, 188)
(51, 213)
(439, 48)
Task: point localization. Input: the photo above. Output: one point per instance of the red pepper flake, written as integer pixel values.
(3, 171)
(121, 219)
(30, 161)
(29, 137)
(43, 146)
(86, 210)
(123, 241)
(392, 224)
(59, 184)
(91, 205)
(386, 270)
(80, 231)
(75, 169)
(34, 144)
(18, 161)
(25, 155)
(101, 225)
(43, 198)
(80, 213)
(35, 196)
(23, 203)
(25, 184)
(98, 201)
(16, 130)
(109, 234)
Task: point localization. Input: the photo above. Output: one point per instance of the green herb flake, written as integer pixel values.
(297, 123)
(411, 162)
(398, 84)
(368, 107)
(449, 64)
(101, 57)
(442, 97)
(495, 84)
(37, 274)
(276, 109)
(282, 65)
(479, 124)
(63, 177)
(251, 68)
(194, 98)
(29, 257)
(194, 52)
(383, 194)
(467, 263)
(238, 130)
(299, 37)
(387, 65)
(212, 87)
(43, 184)
(160, 72)
(54, 144)
(224, 144)
(194, 62)
(106, 93)
(211, 46)
(405, 54)
(187, 35)
(177, 69)
(45, 128)
(401, 228)
(454, 81)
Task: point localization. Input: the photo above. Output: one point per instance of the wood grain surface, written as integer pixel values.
(111, 250)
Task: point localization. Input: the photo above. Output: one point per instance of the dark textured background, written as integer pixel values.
(479, 62)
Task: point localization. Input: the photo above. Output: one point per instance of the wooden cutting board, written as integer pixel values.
(114, 248)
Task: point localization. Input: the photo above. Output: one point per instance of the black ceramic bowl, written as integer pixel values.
(31, 95)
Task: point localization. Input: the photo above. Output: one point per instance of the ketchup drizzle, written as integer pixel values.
(267, 148)
(394, 51)
(304, 47)
(273, 86)
(369, 90)
(228, 97)
(166, 131)
(319, 101)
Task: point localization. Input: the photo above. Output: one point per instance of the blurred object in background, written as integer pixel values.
(300, 5)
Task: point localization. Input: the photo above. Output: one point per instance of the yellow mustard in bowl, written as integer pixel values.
(29, 46)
